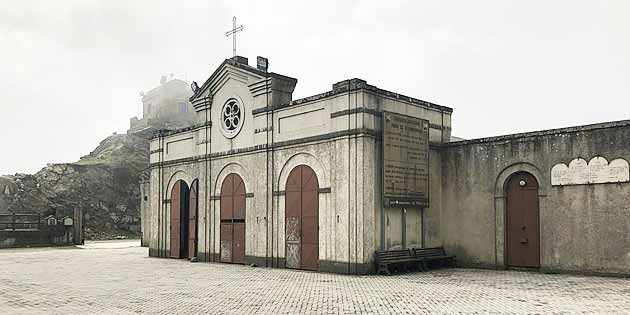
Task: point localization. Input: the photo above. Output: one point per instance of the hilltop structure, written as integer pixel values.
(321, 183)
(165, 107)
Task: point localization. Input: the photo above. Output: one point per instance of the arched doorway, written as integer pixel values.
(301, 219)
(193, 208)
(233, 219)
(522, 240)
(179, 220)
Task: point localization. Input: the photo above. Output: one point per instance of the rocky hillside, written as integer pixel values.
(104, 183)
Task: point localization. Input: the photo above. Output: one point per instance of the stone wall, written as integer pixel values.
(49, 236)
(583, 228)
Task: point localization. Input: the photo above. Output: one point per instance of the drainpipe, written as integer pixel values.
(356, 158)
(267, 173)
(206, 184)
(349, 174)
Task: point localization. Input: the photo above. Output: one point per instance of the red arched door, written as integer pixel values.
(193, 208)
(522, 221)
(233, 219)
(179, 220)
(301, 219)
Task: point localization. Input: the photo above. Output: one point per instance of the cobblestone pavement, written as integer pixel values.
(119, 278)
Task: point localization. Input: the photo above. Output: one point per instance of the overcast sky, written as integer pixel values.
(71, 71)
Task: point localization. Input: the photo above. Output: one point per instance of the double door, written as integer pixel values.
(232, 236)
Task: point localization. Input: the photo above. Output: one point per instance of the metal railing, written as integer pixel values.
(20, 221)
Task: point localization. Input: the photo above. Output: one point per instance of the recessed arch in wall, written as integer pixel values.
(303, 158)
(504, 175)
(178, 175)
(229, 168)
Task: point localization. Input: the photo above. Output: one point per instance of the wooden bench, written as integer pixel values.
(432, 255)
(403, 258)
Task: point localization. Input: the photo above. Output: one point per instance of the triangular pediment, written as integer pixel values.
(228, 70)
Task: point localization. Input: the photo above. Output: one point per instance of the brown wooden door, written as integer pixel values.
(293, 218)
(175, 219)
(522, 222)
(302, 219)
(192, 219)
(232, 236)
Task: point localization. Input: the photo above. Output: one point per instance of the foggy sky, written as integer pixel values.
(71, 71)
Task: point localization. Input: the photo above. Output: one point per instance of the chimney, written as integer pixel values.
(163, 79)
(240, 59)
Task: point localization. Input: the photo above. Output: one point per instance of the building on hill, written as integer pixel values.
(165, 107)
(321, 183)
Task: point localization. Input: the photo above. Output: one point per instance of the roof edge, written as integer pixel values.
(358, 84)
(547, 132)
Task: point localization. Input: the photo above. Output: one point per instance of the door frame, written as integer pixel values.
(317, 180)
(505, 218)
(194, 185)
(233, 224)
(500, 208)
(184, 196)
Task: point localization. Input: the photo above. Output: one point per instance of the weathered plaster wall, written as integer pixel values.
(432, 215)
(583, 228)
(341, 247)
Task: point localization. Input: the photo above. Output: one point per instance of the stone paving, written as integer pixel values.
(119, 278)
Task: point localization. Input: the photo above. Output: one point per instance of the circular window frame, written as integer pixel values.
(231, 133)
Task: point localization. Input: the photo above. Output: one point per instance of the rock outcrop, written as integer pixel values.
(104, 184)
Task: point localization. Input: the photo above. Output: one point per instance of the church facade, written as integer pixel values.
(264, 179)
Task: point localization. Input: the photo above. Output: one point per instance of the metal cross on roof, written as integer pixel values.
(233, 33)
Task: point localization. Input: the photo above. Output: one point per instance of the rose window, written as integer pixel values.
(231, 118)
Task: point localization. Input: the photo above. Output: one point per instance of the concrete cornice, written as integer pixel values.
(549, 132)
(359, 132)
(166, 133)
(356, 85)
(307, 140)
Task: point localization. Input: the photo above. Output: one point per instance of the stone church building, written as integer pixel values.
(264, 179)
